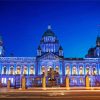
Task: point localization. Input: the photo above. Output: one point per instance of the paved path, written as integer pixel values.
(50, 89)
(52, 93)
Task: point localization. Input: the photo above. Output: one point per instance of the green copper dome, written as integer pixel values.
(49, 32)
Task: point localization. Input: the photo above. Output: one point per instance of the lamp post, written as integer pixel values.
(15, 79)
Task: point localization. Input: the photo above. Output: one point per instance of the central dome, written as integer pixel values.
(49, 32)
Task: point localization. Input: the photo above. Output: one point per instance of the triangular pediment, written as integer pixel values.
(50, 56)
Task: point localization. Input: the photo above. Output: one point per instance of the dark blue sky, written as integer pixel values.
(22, 24)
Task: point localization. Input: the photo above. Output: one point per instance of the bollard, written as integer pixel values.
(87, 82)
(44, 83)
(8, 84)
(23, 83)
(67, 83)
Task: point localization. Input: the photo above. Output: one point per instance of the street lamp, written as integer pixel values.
(15, 79)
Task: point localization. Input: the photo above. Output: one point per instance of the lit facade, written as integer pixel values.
(50, 60)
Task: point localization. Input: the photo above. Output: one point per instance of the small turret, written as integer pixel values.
(1, 40)
(1, 47)
(60, 51)
(39, 51)
(98, 41)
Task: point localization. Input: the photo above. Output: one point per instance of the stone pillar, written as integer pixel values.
(8, 84)
(23, 83)
(67, 83)
(44, 82)
(87, 82)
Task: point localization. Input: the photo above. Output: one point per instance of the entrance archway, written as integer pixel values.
(52, 76)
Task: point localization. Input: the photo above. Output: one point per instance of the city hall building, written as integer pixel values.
(50, 62)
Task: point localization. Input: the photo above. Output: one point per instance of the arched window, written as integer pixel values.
(4, 71)
(12, 80)
(18, 70)
(43, 69)
(4, 80)
(74, 80)
(74, 70)
(87, 70)
(32, 69)
(57, 69)
(67, 70)
(25, 69)
(81, 81)
(94, 72)
(12, 70)
(81, 70)
(49, 68)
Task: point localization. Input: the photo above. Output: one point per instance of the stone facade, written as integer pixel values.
(50, 61)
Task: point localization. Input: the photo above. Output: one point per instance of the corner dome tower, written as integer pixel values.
(1, 47)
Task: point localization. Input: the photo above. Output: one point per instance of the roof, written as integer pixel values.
(39, 48)
(60, 48)
(49, 32)
(98, 38)
(73, 58)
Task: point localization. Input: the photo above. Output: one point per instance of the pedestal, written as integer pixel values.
(87, 82)
(8, 84)
(23, 83)
(67, 83)
(44, 83)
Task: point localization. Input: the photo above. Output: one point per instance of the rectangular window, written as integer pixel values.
(3, 80)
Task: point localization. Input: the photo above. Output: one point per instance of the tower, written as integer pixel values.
(95, 51)
(1, 47)
(97, 48)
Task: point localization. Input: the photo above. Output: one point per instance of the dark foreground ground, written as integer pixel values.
(50, 94)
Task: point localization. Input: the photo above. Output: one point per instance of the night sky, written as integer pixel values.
(22, 24)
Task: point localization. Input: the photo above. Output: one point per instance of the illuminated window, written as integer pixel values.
(25, 70)
(67, 70)
(80, 70)
(57, 69)
(11, 79)
(3, 80)
(32, 70)
(74, 81)
(94, 72)
(81, 81)
(74, 70)
(87, 70)
(11, 70)
(18, 70)
(4, 70)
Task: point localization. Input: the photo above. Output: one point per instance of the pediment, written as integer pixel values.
(50, 56)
